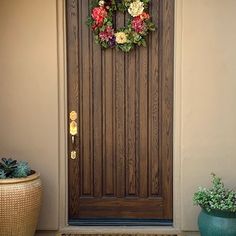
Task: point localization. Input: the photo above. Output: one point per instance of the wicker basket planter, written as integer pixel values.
(20, 201)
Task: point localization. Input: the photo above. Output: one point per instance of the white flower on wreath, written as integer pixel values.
(101, 3)
(121, 37)
(136, 8)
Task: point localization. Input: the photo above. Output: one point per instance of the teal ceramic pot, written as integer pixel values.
(217, 223)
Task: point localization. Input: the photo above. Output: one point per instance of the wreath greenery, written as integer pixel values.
(124, 39)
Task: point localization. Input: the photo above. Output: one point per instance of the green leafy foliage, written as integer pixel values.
(217, 197)
(10, 168)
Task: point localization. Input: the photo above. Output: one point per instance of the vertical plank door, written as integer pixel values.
(123, 171)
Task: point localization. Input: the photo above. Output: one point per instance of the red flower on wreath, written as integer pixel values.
(138, 24)
(98, 14)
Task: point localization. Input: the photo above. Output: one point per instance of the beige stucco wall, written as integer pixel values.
(206, 71)
(208, 130)
(28, 93)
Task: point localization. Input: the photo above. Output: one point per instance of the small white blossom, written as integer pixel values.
(101, 3)
(136, 8)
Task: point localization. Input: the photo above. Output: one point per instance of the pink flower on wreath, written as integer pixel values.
(144, 16)
(107, 34)
(98, 14)
(138, 24)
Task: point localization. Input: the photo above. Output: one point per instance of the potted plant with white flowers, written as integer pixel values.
(20, 198)
(218, 214)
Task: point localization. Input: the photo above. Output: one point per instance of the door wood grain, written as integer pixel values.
(124, 101)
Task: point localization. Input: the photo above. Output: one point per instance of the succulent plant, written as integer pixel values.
(10, 168)
(2, 174)
(22, 170)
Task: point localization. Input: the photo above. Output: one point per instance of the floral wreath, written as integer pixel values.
(125, 39)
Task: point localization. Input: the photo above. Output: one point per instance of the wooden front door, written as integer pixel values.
(123, 170)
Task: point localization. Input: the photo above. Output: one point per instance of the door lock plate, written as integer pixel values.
(73, 155)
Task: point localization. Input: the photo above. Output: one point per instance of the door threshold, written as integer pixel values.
(120, 222)
(122, 230)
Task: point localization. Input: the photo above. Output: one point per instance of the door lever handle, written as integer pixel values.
(73, 133)
(73, 139)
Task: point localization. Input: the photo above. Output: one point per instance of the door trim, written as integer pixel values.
(62, 116)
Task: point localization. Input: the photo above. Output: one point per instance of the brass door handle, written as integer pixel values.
(73, 133)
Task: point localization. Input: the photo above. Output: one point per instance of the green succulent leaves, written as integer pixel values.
(2, 174)
(10, 168)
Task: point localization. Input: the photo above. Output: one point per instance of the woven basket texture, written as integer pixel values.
(19, 206)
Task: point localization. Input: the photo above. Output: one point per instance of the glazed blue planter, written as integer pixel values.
(217, 223)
